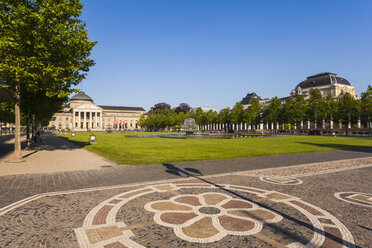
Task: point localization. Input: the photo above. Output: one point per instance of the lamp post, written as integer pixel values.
(92, 139)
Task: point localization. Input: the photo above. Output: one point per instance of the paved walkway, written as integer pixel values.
(329, 207)
(52, 154)
(326, 203)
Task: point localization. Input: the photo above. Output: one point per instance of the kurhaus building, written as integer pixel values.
(326, 82)
(82, 114)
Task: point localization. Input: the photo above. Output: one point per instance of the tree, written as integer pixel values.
(183, 107)
(366, 108)
(315, 107)
(289, 110)
(237, 113)
(224, 116)
(253, 113)
(301, 108)
(330, 109)
(272, 111)
(43, 45)
(294, 110)
(161, 106)
(348, 110)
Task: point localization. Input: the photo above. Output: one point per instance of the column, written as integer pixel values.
(359, 124)
(331, 123)
(90, 119)
(261, 125)
(85, 120)
(323, 124)
(308, 124)
(95, 119)
(100, 119)
(73, 120)
(78, 126)
(302, 124)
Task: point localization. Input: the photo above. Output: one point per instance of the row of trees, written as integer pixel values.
(44, 50)
(295, 110)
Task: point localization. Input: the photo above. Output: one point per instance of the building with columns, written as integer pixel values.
(326, 82)
(82, 114)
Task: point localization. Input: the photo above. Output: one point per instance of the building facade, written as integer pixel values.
(326, 82)
(83, 114)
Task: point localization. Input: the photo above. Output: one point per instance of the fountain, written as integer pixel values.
(190, 126)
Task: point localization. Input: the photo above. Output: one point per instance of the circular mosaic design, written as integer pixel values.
(282, 180)
(203, 213)
(362, 199)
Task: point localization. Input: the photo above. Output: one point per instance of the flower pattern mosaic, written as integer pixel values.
(210, 217)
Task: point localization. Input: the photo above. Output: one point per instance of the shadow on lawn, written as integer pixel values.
(360, 148)
(186, 172)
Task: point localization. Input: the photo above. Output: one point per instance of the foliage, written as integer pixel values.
(294, 111)
(366, 106)
(183, 107)
(253, 113)
(272, 112)
(161, 106)
(6, 112)
(44, 49)
(237, 113)
(316, 106)
(348, 111)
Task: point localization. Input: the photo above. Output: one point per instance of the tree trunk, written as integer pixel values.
(28, 141)
(17, 110)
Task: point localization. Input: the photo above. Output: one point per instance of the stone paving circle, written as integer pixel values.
(281, 180)
(204, 213)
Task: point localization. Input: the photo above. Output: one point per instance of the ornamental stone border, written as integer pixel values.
(100, 229)
(281, 180)
(357, 198)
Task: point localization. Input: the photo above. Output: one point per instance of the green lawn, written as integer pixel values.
(116, 147)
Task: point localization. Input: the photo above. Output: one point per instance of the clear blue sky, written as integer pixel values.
(211, 53)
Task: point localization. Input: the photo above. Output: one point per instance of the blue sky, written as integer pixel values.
(211, 53)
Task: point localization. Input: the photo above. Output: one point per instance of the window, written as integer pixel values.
(66, 118)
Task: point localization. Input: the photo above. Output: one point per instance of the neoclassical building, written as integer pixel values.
(82, 114)
(326, 82)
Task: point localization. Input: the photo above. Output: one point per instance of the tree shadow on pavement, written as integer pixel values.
(6, 148)
(360, 148)
(50, 142)
(174, 170)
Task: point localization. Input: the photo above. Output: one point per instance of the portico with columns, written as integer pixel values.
(87, 116)
(82, 114)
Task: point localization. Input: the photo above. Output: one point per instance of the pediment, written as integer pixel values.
(87, 107)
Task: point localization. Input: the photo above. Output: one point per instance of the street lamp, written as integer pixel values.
(92, 139)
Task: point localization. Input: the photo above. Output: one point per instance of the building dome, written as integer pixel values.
(81, 96)
(322, 79)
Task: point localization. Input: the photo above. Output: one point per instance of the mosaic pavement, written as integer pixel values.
(223, 211)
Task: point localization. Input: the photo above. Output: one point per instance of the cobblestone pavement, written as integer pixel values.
(17, 187)
(327, 207)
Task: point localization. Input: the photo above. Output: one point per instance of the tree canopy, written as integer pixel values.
(44, 49)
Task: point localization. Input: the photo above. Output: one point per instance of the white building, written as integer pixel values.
(82, 114)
